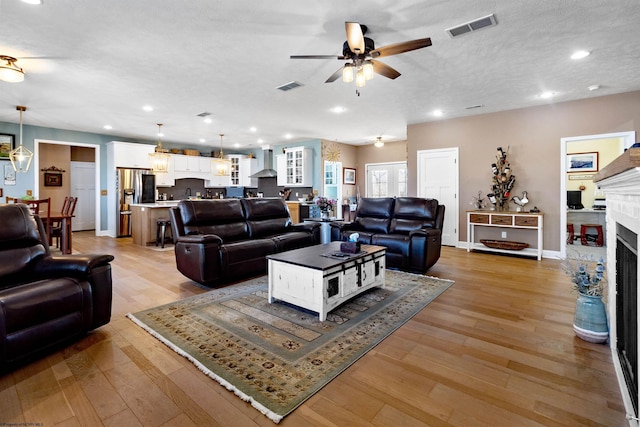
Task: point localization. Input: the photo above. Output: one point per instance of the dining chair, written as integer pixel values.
(11, 200)
(68, 208)
(42, 208)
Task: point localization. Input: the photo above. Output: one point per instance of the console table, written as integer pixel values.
(522, 220)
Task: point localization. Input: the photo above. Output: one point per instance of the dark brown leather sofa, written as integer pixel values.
(409, 227)
(222, 240)
(45, 300)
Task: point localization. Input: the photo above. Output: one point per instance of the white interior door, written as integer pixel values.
(438, 179)
(83, 186)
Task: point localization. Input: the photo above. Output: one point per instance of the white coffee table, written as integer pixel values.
(315, 279)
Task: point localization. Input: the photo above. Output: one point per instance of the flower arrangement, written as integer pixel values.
(325, 204)
(585, 282)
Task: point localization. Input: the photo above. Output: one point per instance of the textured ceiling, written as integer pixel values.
(92, 63)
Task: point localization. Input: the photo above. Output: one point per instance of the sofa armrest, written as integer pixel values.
(337, 227)
(426, 232)
(204, 239)
(77, 266)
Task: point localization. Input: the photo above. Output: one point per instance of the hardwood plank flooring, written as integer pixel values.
(495, 349)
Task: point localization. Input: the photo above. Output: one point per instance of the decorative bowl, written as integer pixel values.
(504, 244)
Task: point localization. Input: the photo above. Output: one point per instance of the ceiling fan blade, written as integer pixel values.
(316, 57)
(335, 76)
(385, 70)
(394, 49)
(355, 38)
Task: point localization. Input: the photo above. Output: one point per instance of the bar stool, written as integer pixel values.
(583, 234)
(162, 224)
(572, 234)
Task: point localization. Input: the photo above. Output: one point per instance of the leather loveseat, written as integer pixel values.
(45, 300)
(222, 240)
(409, 227)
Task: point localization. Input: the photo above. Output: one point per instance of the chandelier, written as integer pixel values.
(221, 166)
(10, 72)
(21, 156)
(159, 159)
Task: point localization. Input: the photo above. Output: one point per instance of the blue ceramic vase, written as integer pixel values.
(590, 320)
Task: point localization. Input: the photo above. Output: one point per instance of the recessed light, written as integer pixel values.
(252, 129)
(208, 120)
(338, 110)
(438, 113)
(160, 134)
(147, 108)
(288, 136)
(593, 87)
(580, 54)
(547, 95)
(32, 1)
(203, 140)
(108, 127)
(260, 141)
(236, 145)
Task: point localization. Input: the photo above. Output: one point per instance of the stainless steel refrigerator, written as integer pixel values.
(132, 186)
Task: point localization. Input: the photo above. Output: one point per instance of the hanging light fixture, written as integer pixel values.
(367, 67)
(379, 142)
(347, 73)
(221, 166)
(10, 72)
(159, 159)
(21, 156)
(361, 80)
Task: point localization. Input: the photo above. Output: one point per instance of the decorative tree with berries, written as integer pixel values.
(503, 181)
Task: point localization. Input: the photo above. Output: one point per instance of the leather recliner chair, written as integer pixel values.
(45, 300)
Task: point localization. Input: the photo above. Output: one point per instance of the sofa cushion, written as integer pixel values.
(292, 240)
(374, 215)
(224, 218)
(395, 243)
(413, 213)
(266, 216)
(249, 254)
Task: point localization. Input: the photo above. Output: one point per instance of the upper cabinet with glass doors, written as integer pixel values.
(295, 167)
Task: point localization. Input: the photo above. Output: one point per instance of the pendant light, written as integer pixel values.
(21, 156)
(379, 142)
(159, 159)
(221, 166)
(10, 72)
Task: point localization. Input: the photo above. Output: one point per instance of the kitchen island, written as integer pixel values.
(144, 217)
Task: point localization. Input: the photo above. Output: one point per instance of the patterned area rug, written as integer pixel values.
(276, 356)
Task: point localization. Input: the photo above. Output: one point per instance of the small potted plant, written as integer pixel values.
(590, 320)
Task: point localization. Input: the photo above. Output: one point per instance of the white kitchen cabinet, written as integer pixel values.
(281, 168)
(242, 167)
(192, 163)
(298, 168)
(129, 155)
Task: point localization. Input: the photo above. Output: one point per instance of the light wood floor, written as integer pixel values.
(496, 349)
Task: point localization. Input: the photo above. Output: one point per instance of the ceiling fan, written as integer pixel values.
(361, 51)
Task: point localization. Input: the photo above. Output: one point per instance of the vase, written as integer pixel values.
(324, 214)
(590, 320)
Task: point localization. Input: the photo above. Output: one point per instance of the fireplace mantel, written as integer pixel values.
(620, 181)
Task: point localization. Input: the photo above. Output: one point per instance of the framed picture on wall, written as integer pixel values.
(7, 143)
(582, 162)
(52, 179)
(349, 176)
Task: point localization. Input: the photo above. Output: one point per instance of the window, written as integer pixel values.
(386, 179)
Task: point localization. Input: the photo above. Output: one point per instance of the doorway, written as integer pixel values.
(95, 201)
(438, 174)
(572, 144)
(332, 181)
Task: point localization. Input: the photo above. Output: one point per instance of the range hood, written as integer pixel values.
(268, 171)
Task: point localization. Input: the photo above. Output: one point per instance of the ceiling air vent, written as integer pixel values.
(473, 107)
(203, 114)
(288, 86)
(475, 25)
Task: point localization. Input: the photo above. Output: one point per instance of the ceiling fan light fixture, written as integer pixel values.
(368, 70)
(21, 156)
(10, 72)
(347, 73)
(361, 80)
(159, 159)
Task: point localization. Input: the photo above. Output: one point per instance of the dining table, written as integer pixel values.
(65, 224)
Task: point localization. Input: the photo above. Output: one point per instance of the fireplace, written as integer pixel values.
(627, 308)
(620, 181)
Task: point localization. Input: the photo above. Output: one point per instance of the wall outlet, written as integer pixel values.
(29, 192)
(103, 192)
(504, 234)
